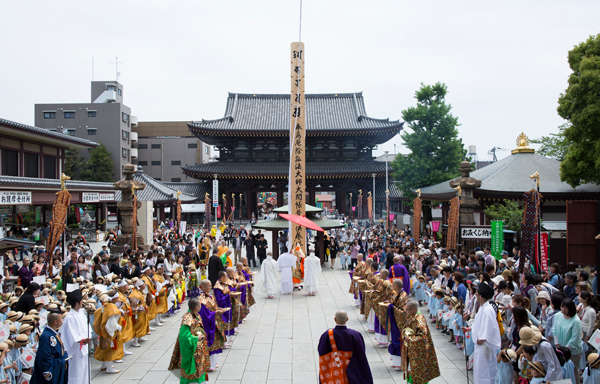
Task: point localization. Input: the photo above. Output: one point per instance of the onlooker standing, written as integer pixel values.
(249, 243)
(354, 249)
(46, 234)
(261, 248)
(567, 332)
(237, 248)
(569, 289)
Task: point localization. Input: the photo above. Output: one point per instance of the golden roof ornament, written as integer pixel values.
(522, 145)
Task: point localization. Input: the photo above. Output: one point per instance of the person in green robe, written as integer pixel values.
(191, 352)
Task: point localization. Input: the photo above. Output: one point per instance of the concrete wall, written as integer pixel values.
(173, 153)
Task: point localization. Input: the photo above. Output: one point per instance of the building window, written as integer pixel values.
(31, 165)
(70, 132)
(110, 87)
(142, 162)
(10, 162)
(155, 162)
(176, 179)
(142, 146)
(49, 167)
(158, 178)
(175, 162)
(49, 115)
(206, 149)
(118, 92)
(69, 115)
(125, 135)
(192, 145)
(125, 152)
(91, 132)
(125, 117)
(155, 146)
(91, 113)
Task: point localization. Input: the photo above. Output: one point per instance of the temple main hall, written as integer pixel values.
(253, 142)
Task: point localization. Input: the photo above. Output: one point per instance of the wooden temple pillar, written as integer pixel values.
(274, 245)
(321, 242)
(249, 204)
(340, 203)
(311, 198)
(279, 198)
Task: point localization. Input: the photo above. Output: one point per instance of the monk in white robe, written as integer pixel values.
(76, 334)
(486, 337)
(286, 263)
(312, 271)
(268, 276)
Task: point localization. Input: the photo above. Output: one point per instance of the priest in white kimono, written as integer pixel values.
(76, 334)
(312, 271)
(486, 337)
(268, 276)
(286, 263)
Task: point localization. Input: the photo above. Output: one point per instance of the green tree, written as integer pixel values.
(73, 163)
(436, 150)
(99, 167)
(580, 105)
(555, 145)
(509, 212)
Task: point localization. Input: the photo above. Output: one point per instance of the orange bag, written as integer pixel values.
(332, 366)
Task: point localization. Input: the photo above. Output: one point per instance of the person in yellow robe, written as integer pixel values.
(127, 324)
(298, 273)
(162, 303)
(151, 287)
(141, 324)
(418, 352)
(106, 324)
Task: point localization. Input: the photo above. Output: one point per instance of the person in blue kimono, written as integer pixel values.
(506, 358)
(456, 324)
(427, 289)
(419, 288)
(591, 375)
(51, 359)
(434, 302)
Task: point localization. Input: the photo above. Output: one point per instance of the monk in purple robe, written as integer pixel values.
(398, 271)
(25, 274)
(213, 325)
(347, 340)
(221, 292)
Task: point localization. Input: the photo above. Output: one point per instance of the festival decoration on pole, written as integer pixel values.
(530, 226)
(241, 204)
(207, 211)
(60, 208)
(417, 215)
(454, 220)
(297, 177)
(134, 217)
(370, 207)
(224, 211)
(359, 204)
(351, 206)
(178, 208)
(387, 210)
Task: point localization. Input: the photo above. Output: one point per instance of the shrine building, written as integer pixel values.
(253, 142)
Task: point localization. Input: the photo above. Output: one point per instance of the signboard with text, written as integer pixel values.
(107, 196)
(15, 197)
(215, 194)
(90, 197)
(476, 232)
(497, 238)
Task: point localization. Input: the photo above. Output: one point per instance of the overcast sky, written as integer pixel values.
(505, 62)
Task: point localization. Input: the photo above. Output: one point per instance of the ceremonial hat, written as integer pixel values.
(53, 308)
(3, 305)
(13, 300)
(145, 269)
(25, 327)
(13, 329)
(26, 319)
(79, 279)
(510, 355)
(454, 300)
(74, 297)
(122, 283)
(506, 273)
(14, 316)
(485, 291)
(130, 287)
(529, 336)
(22, 339)
(192, 268)
(593, 360)
(538, 366)
(139, 283)
(3, 346)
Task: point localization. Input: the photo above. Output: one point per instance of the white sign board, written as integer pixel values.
(107, 197)
(481, 232)
(182, 227)
(15, 197)
(215, 196)
(90, 197)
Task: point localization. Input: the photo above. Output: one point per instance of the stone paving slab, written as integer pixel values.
(278, 343)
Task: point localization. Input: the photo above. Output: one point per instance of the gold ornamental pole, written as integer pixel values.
(297, 181)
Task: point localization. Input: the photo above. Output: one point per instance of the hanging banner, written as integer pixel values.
(215, 193)
(10, 197)
(392, 216)
(182, 228)
(544, 251)
(453, 223)
(416, 218)
(497, 238)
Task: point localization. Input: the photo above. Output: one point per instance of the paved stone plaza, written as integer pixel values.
(278, 344)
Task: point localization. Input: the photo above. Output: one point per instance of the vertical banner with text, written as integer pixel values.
(497, 238)
(297, 183)
(543, 258)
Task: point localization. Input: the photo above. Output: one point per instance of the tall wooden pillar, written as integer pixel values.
(321, 247)
(274, 245)
(340, 202)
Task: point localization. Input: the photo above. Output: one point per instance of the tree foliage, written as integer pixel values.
(436, 150)
(555, 145)
(580, 105)
(99, 167)
(73, 163)
(509, 212)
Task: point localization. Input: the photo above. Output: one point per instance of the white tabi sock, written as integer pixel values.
(214, 360)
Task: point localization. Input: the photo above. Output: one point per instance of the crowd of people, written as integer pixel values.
(513, 324)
